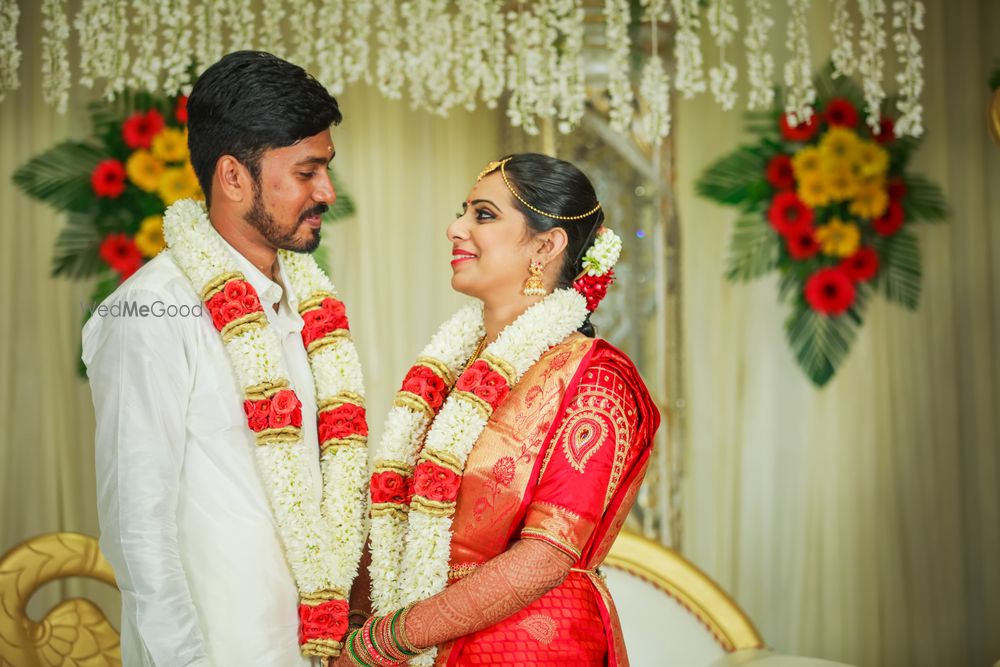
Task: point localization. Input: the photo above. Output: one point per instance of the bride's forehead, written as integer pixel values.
(490, 187)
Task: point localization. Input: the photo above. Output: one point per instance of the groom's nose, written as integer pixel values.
(324, 190)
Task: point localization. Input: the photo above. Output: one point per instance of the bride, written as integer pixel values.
(514, 448)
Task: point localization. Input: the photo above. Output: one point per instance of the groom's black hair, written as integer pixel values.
(249, 102)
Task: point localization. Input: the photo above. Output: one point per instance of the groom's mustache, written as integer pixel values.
(318, 209)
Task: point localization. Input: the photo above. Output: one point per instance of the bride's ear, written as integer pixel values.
(551, 244)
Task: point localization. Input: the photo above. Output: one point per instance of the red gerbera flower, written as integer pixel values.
(840, 112)
(862, 265)
(802, 243)
(780, 173)
(121, 254)
(802, 131)
(896, 189)
(139, 129)
(886, 131)
(108, 178)
(181, 109)
(890, 223)
(830, 291)
(788, 214)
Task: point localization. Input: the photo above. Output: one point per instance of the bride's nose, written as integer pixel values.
(458, 230)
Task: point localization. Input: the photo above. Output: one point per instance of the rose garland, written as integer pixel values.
(438, 415)
(322, 542)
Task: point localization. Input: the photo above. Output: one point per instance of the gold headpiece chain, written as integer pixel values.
(492, 166)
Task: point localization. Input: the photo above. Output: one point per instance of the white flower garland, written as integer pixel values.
(689, 77)
(10, 54)
(322, 542)
(55, 59)
(410, 555)
(618, 16)
(239, 18)
(102, 29)
(272, 13)
(146, 46)
(602, 256)
(654, 84)
(390, 72)
(357, 34)
(871, 64)
(330, 34)
(908, 18)
(175, 19)
(842, 54)
(760, 63)
(569, 75)
(459, 54)
(723, 24)
(801, 93)
(208, 46)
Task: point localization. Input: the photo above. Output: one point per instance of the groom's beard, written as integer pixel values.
(264, 222)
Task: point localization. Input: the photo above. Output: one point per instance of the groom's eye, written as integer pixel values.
(306, 175)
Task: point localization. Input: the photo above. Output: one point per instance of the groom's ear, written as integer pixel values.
(232, 180)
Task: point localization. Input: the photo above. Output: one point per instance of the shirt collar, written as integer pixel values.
(268, 291)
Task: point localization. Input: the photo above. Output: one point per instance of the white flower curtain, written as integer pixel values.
(544, 59)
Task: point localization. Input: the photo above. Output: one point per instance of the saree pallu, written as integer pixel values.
(561, 461)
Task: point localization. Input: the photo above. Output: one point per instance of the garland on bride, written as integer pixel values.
(442, 408)
(322, 541)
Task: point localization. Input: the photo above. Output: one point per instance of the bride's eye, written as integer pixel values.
(484, 214)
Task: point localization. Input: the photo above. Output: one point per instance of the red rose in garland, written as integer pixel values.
(830, 205)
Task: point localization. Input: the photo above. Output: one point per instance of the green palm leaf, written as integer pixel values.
(753, 249)
(737, 179)
(821, 343)
(924, 200)
(899, 277)
(60, 176)
(77, 248)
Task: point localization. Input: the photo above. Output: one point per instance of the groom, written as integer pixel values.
(184, 513)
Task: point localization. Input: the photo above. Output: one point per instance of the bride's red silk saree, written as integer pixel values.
(561, 461)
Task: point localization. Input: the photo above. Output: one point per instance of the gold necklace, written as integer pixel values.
(475, 355)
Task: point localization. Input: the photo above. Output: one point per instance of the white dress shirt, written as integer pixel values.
(185, 519)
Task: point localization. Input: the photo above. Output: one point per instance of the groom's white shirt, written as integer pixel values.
(184, 515)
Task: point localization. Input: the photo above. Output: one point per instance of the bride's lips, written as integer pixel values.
(459, 256)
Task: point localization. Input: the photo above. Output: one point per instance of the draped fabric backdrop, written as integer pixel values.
(861, 522)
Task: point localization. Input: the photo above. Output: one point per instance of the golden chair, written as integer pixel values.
(75, 632)
(674, 615)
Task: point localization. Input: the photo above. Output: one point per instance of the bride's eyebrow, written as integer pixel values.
(486, 201)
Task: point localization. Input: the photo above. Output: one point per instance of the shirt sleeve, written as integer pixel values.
(140, 379)
(584, 461)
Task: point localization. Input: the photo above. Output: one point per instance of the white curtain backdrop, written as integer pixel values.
(860, 522)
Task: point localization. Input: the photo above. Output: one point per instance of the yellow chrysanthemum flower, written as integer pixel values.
(841, 182)
(839, 146)
(806, 163)
(170, 145)
(144, 170)
(812, 191)
(193, 182)
(871, 201)
(838, 238)
(149, 240)
(872, 159)
(176, 184)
